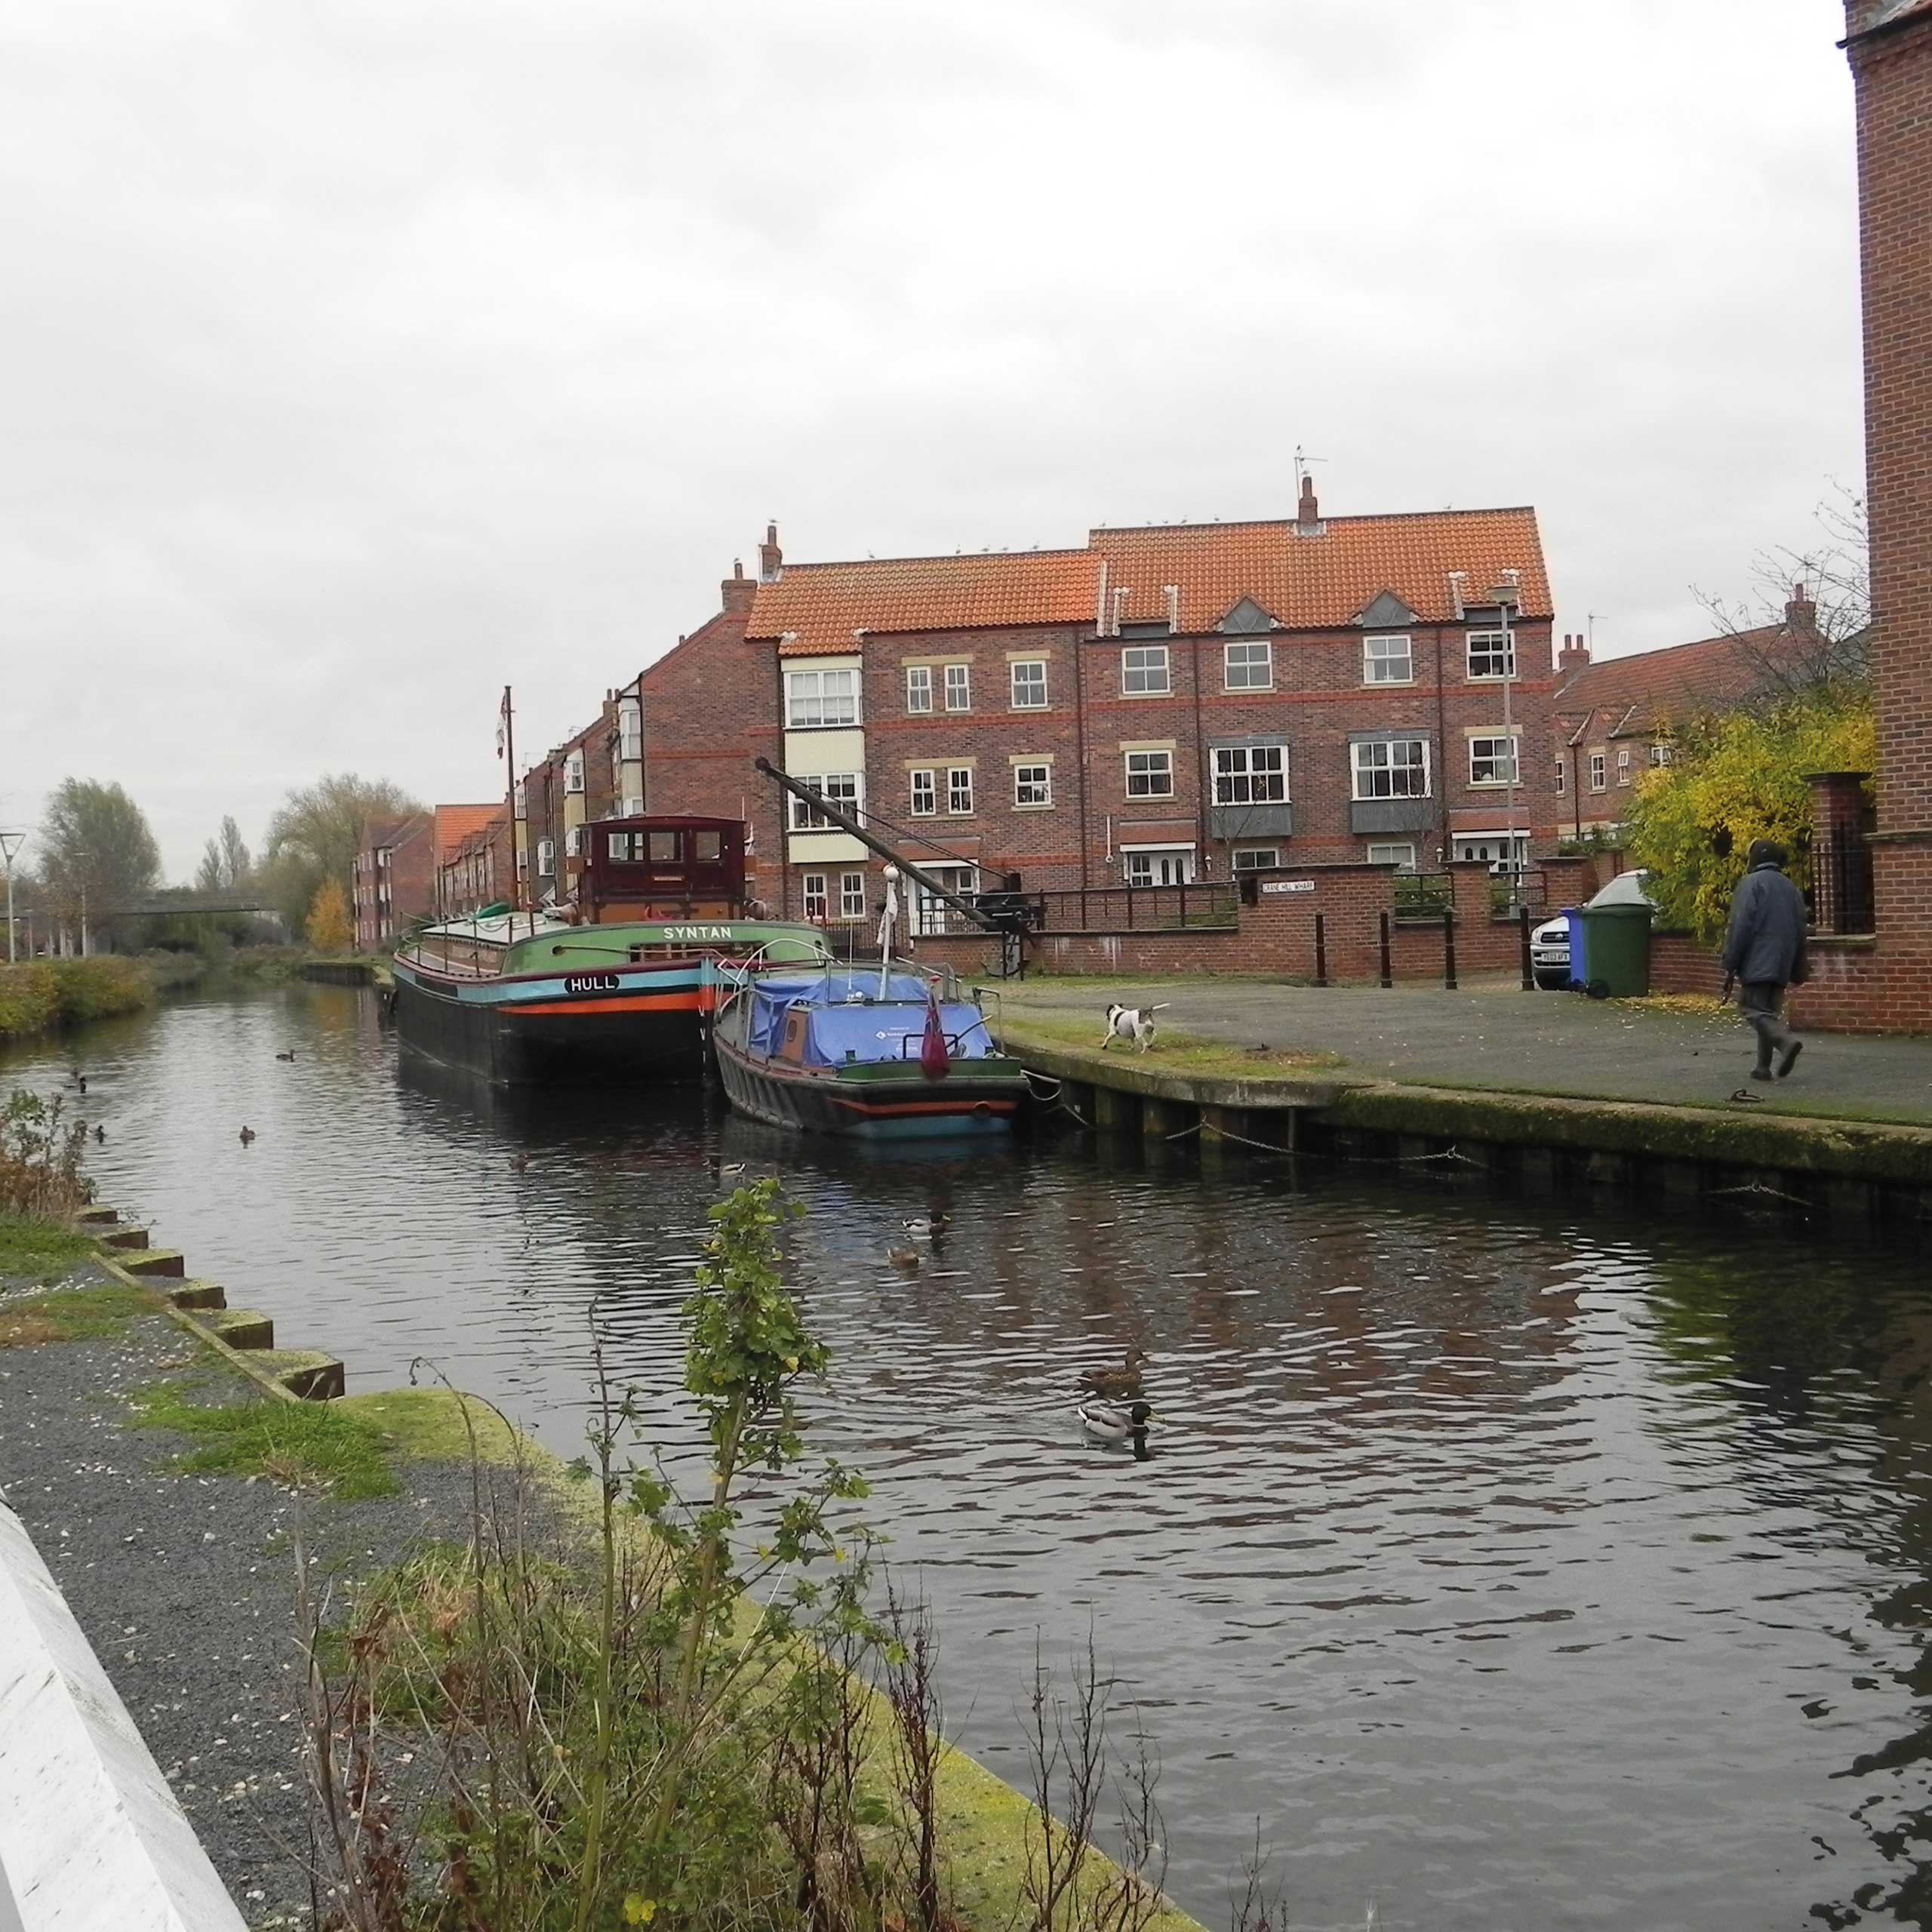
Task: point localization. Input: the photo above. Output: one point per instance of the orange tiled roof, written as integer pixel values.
(454, 823)
(1316, 581)
(1643, 691)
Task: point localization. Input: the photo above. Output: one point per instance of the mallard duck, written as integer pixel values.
(924, 1226)
(100, 1135)
(247, 1134)
(1115, 1422)
(904, 1257)
(289, 1055)
(1124, 1381)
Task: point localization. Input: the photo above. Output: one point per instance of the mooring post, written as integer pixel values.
(1523, 934)
(1388, 977)
(1449, 949)
(1321, 951)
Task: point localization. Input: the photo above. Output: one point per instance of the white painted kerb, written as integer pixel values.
(91, 1836)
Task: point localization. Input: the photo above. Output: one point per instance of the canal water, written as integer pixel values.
(1516, 1564)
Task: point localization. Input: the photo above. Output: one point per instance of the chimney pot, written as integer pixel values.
(1307, 512)
(1801, 613)
(1575, 653)
(771, 558)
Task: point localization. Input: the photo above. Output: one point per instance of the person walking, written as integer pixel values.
(1764, 953)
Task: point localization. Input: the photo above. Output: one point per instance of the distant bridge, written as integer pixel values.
(162, 905)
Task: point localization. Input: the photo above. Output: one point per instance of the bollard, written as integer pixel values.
(1523, 931)
(1320, 952)
(1449, 949)
(1388, 977)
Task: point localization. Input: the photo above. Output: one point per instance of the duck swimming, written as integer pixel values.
(1124, 1381)
(247, 1134)
(289, 1055)
(1115, 1422)
(924, 1226)
(908, 1258)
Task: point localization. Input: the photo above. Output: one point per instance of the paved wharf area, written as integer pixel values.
(1492, 1036)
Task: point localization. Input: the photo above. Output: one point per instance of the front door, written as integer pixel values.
(931, 914)
(1171, 868)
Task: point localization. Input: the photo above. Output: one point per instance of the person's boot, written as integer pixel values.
(1789, 1058)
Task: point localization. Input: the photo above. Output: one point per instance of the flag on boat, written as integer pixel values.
(932, 1061)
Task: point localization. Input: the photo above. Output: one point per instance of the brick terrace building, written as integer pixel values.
(476, 872)
(392, 879)
(1168, 703)
(1887, 981)
(1615, 717)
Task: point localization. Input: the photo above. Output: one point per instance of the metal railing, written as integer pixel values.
(1422, 895)
(1137, 908)
(1841, 901)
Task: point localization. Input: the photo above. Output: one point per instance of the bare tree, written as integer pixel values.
(1806, 623)
(226, 864)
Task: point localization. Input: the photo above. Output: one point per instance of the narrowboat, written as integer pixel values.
(880, 1052)
(619, 988)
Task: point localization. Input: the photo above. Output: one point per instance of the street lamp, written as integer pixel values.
(82, 856)
(11, 842)
(1507, 596)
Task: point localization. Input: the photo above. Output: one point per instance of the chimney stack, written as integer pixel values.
(1574, 655)
(1308, 513)
(771, 558)
(737, 590)
(1801, 613)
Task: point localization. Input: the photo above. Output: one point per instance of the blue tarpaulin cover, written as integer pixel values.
(867, 1029)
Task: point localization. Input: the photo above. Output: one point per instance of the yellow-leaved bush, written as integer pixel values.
(1737, 777)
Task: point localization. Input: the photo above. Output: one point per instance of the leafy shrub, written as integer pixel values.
(40, 1158)
(44, 993)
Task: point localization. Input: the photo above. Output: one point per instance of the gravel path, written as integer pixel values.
(185, 1585)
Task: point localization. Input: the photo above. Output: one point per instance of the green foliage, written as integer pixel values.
(41, 994)
(1736, 777)
(317, 831)
(226, 864)
(94, 837)
(40, 1158)
(309, 1444)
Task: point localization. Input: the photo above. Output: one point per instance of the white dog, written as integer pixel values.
(1132, 1023)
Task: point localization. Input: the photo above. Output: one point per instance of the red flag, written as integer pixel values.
(932, 1061)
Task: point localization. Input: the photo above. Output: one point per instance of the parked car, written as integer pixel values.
(1550, 943)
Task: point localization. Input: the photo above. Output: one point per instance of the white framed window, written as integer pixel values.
(1388, 660)
(816, 908)
(1623, 764)
(959, 687)
(959, 790)
(1251, 774)
(851, 895)
(633, 806)
(573, 842)
(630, 729)
(1493, 760)
(1029, 684)
(1660, 756)
(842, 787)
(1143, 671)
(1597, 779)
(523, 865)
(925, 791)
(1397, 853)
(573, 772)
(546, 857)
(521, 803)
(1171, 865)
(1032, 785)
(1492, 654)
(1562, 776)
(1150, 774)
(1248, 665)
(815, 698)
(1392, 769)
(918, 688)
(1256, 858)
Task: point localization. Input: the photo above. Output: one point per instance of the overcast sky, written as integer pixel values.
(359, 356)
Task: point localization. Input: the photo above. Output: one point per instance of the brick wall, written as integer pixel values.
(1888, 983)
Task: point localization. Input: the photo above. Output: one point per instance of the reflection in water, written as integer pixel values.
(1517, 1567)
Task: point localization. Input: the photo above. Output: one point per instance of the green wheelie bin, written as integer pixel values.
(1616, 951)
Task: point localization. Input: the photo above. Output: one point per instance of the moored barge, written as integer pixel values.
(620, 988)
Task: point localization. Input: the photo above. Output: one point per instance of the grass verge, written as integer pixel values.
(1173, 1051)
(38, 1251)
(72, 1315)
(310, 1445)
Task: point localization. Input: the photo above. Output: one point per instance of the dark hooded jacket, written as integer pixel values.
(1766, 939)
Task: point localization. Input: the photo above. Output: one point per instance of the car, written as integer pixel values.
(1550, 943)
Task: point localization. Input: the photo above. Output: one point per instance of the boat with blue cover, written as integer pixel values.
(617, 988)
(881, 1052)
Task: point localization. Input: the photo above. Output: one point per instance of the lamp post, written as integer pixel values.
(1507, 596)
(83, 859)
(11, 842)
